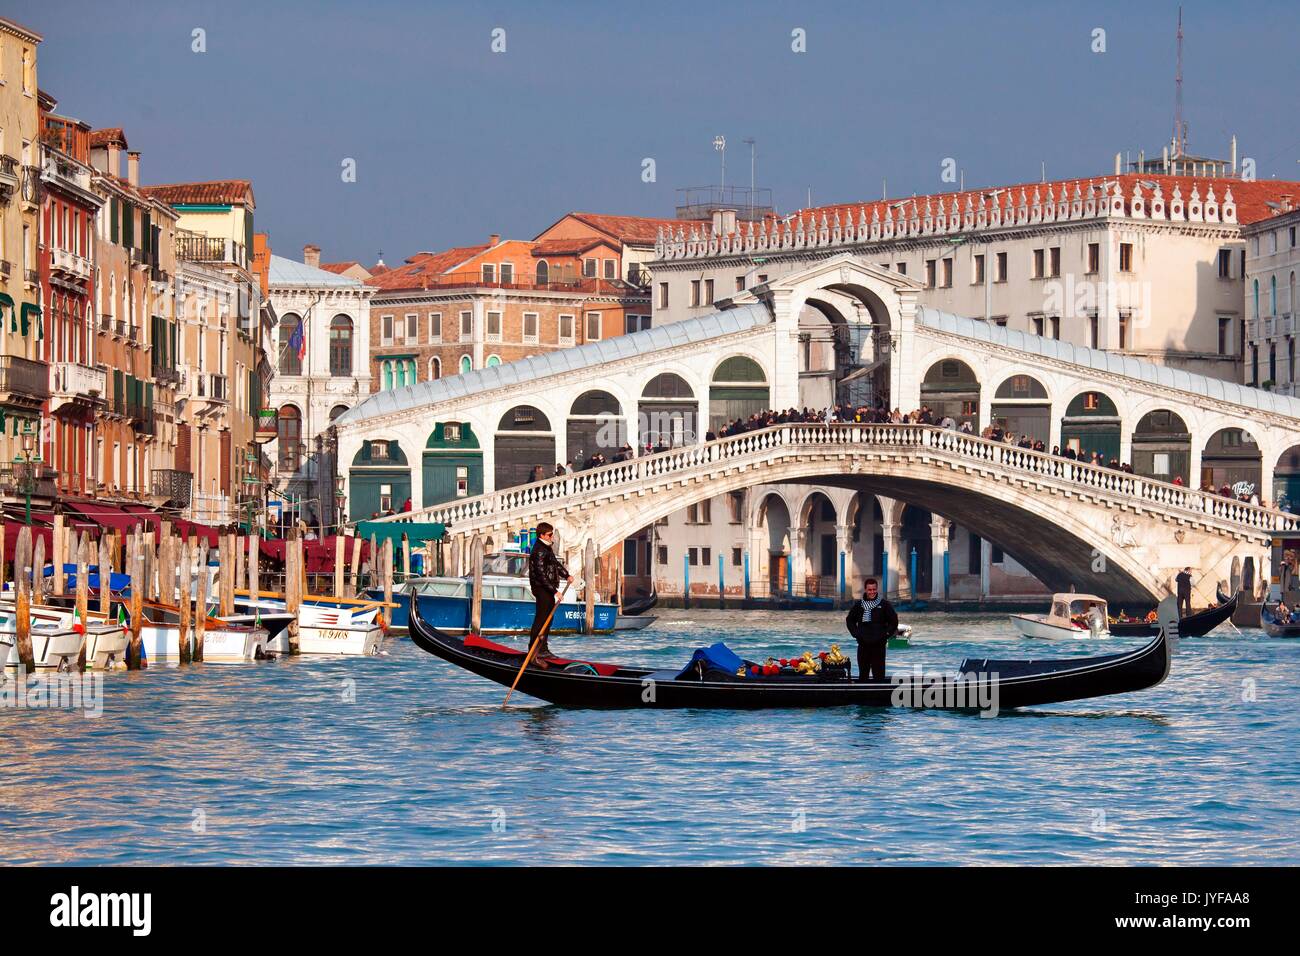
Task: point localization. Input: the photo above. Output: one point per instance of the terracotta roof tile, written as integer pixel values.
(642, 229)
(568, 247)
(223, 192)
(339, 267)
(423, 266)
(100, 138)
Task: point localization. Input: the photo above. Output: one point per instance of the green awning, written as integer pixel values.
(417, 532)
(28, 311)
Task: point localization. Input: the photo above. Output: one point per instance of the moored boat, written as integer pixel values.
(1007, 683)
(1071, 615)
(1273, 626)
(223, 641)
(339, 628)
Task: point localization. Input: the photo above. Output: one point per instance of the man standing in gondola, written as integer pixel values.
(1183, 581)
(544, 576)
(872, 622)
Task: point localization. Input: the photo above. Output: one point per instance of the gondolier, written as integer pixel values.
(872, 622)
(1183, 579)
(544, 576)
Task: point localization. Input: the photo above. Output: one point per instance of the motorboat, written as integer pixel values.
(1071, 615)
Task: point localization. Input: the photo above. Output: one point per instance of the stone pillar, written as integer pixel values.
(1267, 461)
(1125, 442)
(938, 548)
(1194, 460)
(798, 573)
(844, 546)
(479, 318)
(899, 567)
(986, 565)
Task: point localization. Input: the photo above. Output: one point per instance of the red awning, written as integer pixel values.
(153, 522)
(317, 554)
(186, 528)
(108, 516)
(38, 532)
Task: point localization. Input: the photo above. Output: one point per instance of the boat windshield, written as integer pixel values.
(512, 565)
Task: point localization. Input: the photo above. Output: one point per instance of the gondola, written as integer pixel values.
(1194, 625)
(1273, 628)
(1006, 683)
(639, 606)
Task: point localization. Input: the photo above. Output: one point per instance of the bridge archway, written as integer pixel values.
(1092, 425)
(951, 389)
(1286, 480)
(774, 519)
(379, 479)
(452, 464)
(595, 426)
(1162, 446)
(1232, 457)
(668, 412)
(818, 519)
(1022, 405)
(738, 389)
(523, 444)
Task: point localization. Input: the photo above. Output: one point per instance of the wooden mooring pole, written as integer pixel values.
(201, 600)
(185, 600)
(23, 601)
(589, 582)
(476, 571)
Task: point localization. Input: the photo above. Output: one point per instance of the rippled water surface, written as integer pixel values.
(403, 759)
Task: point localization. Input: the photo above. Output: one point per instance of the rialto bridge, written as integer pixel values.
(477, 450)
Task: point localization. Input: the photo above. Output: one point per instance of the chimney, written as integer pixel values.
(1286, 202)
(311, 255)
(114, 159)
(494, 239)
(1234, 154)
(133, 167)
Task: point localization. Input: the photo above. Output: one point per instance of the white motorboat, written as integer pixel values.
(56, 644)
(348, 630)
(1071, 615)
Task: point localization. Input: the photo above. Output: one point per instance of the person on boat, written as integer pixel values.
(544, 576)
(1183, 581)
(872, 622)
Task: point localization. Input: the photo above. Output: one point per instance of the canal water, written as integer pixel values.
(403, 760)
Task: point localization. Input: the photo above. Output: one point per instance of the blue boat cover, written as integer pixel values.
(718, 657)
(116, 582)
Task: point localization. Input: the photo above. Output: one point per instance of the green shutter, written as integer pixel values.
(148, 395)
(113, 229)
(146, 231)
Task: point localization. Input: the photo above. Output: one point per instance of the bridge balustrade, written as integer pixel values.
(1010, 458)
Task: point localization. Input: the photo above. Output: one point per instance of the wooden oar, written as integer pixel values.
(540, 634)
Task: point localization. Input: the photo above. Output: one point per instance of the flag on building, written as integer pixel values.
(298, 341)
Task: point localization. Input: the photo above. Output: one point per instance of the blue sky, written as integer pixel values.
(453, 142)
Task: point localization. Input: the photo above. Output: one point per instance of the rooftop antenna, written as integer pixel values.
(1180, 125)
(720, 144)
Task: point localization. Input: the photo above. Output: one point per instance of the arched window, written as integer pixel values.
(336, 411)
(290, 361)
(400, 374)
(466, 364)
(289, 438)
(1256, 292)
(493, 361)
(341, 346)
(435, 368)
(543, 272)
(388, 376)
(1272, 295)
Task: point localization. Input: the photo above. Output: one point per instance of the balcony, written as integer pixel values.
(10, 178)
(74, 383)
(31, 279)
(142, 418)
(31, 188)
(23, 380)
(69, 264)
(164, 375)
(6, 268)
(193, 247)
(174, 486)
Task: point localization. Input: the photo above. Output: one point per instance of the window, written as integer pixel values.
(902, 268)
(611, 268)
(589, 268)
(290, 343)
(699, 513)
(740, 283)
(566, 330)
(1036, 321)
(1293, 236)
(708, 292)
(466, 364)
(663, 295)
(543, 272)
(1272, 361)
(489, 272)
(288, 435)
(736, 507)
(946, 273)
(1126, 257)
(1225, 263)
(385, 497)
(1054, 261)
(507, 272)
(1038, 272)
(631, 553)
(412, 327)
(695, 293)
(1000, 267)
(462, 481)
(435, 326)
(636, 323)
(341, 346)
(1054, 324)
(929, 273)
(385, 330)
(435, 368)
(494, 326)
(706, 556)
(662, 554)
(593, 326)
(530, 328)
(466, 326)
(1124, 318)
(1093, 332)
(977, 271)
(736, 558)
(693, 557)
(1225, 335)
(1254, 365)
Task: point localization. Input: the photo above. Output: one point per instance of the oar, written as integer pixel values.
(533, 650)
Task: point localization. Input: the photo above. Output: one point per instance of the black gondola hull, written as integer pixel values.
(980, 685)
(1273, 628)
(1194, 625)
